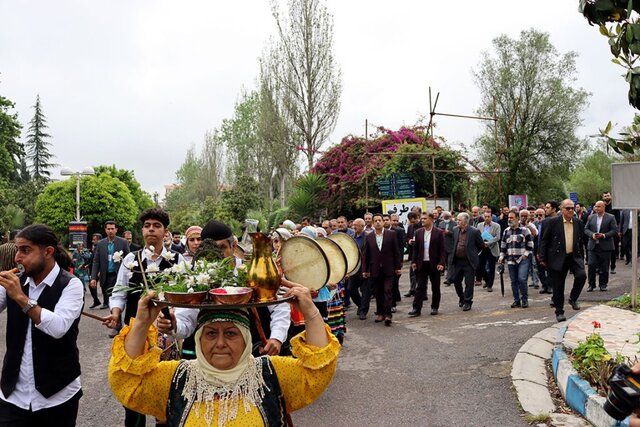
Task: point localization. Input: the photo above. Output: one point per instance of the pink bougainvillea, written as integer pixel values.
(344, 165)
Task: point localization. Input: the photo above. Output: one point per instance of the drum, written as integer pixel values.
(337, 259)
(303, 261)
(350, 249)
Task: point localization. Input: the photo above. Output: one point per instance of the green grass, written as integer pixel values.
(624, 302)
(537, 419)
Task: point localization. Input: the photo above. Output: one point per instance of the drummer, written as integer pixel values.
(275, 319)
(225, 385)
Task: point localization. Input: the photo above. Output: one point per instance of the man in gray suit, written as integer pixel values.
(600, 229)
(490, 232)
(447, 225)
(464, 260)
(105, 266)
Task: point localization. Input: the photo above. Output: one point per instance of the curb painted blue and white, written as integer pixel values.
(577, 392)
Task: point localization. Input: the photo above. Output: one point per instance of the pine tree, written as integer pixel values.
(37, 147)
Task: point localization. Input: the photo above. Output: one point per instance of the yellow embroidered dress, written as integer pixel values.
(143, 384)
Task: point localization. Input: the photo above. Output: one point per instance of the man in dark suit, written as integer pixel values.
(427, 260)
(105, 267)
(413, 224)
(625, 233)
(128, 236)
(401, 236)
(600, 230)
(561, 251)
(464, 260)
(381, 261)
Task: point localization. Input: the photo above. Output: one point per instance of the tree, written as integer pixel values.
(592, 176)
(127, 177)
(307, 72)
(37, 147)
(11, 150)
(306, 198)
(348, 167)
(538, 111)
(102, 198)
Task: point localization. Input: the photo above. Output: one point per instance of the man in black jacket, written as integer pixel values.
(40, 384)
(107, 255)
(561, 251)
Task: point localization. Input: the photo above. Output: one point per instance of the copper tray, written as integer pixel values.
(210, 305)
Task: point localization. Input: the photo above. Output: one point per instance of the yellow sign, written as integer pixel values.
(402, 207)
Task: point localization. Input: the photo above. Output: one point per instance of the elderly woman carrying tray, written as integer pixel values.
(225, 385)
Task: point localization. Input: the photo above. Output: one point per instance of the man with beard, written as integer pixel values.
(40, 384)
(105, 266)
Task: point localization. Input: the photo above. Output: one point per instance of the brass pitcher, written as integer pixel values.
(262, 273)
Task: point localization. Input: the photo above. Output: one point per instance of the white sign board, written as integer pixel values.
(445, 204)
(624, 185)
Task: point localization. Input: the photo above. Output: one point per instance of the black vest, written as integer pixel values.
(272, 408)
(56, 361)
(136, 278)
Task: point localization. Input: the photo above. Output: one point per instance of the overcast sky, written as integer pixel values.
(136, 83)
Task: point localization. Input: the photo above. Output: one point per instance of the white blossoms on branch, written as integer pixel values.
(131, 265)
(203, 279)
(169, 256)
(117, 256)
(152, 268)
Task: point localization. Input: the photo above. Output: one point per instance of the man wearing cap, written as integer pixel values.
(275, 319)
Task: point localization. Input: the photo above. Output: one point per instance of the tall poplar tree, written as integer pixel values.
(37, 146)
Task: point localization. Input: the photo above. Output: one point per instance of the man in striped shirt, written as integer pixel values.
(515, 247)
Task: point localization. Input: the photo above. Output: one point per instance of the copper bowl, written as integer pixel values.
(239, 295)
(185, 297)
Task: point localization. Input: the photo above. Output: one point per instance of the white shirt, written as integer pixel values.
(427, 242)
(599, 222)
(119, 297)
(379, 240)
(54, 323)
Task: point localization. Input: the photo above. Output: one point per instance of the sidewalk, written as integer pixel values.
(619, 331)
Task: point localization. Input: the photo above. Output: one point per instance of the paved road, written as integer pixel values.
(446, 370)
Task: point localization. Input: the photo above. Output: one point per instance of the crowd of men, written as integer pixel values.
(465, 249)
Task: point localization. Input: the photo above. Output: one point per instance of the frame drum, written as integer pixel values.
(303, 261)
(336, 257)
(350, 249)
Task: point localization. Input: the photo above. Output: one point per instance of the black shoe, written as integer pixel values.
(362, 316)
(524, 305)
(409, 294)
(574, 305)
(466, 306)
(590, 288)
(560, 317)
(489, 289)
(96, 304)
(434, 311)
(414, 313)
(387, 321)
(515, 304)
(460, 303)
(484, 286)
(603, 289)
(545, 291)
(379, 318)
(552, 305)
(536, 286)
(103, 306)
(627, 262)
(613, 271)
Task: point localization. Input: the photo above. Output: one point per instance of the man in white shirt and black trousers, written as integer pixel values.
(40, 383)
